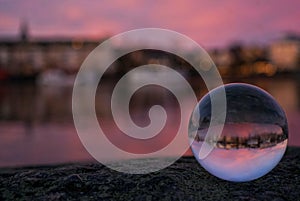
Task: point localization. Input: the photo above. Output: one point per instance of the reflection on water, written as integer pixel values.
(241, 164)
(46, 143)
(36, 125)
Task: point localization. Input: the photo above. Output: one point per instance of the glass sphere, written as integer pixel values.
(253, 139)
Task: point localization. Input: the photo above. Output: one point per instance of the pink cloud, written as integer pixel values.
(7, 23)
(212, 23)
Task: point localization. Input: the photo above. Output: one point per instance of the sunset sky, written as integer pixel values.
(212, 23)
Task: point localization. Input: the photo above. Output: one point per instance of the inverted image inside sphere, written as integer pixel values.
(253, 138)
(245, 103)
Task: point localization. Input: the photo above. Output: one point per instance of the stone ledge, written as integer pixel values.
(184, 180)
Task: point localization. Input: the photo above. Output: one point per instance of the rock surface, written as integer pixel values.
(184, 180)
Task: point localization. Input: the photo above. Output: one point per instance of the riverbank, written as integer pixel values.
(184, 180)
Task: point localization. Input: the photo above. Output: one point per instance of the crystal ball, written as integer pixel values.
(253, 138)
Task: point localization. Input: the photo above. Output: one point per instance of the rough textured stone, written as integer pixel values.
(184, 180)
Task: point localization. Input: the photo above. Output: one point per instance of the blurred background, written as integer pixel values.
(43, 44)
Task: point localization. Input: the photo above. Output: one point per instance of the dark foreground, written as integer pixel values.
(184, 180)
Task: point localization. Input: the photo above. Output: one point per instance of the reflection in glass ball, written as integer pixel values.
(253, 139)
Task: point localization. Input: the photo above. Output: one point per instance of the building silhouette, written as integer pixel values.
(24, 57)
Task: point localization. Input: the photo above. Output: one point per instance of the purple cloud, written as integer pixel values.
(212, 23)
